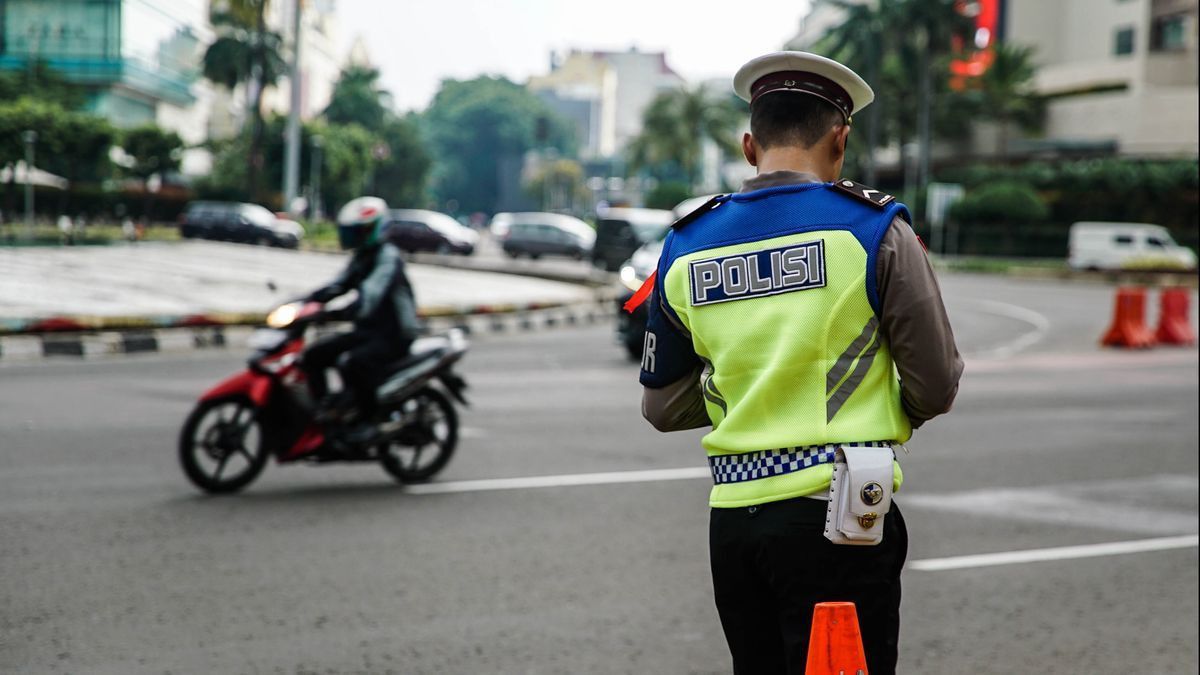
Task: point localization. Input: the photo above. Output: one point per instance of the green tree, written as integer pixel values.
(477, 127)
(40, 81)
(151, 151)
(675, 126)
(346, 162)
(401, 177)
(1005, 93)
(401, 162)
(909, 42)
(245, 52)
(357, 99)
(16, 118)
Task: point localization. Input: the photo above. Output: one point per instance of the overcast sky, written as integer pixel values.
(417, 43)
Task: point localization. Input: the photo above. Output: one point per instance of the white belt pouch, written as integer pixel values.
(859, 496)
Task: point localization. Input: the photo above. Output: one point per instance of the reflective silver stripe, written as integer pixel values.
(844, 361)
(713, 395)
(834, 404)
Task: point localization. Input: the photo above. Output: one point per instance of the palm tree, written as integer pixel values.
(1005, 93)
(675, 126)
(906, 40)
(245, 52)
(857, 43)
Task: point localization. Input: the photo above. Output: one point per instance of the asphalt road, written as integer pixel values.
(111, 563)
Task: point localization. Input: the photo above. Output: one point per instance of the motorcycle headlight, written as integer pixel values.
(629, 277)
(283, 316)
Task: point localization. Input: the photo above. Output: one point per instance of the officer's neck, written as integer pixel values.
(815, 160)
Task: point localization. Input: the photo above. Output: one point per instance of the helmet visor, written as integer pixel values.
(353, 236)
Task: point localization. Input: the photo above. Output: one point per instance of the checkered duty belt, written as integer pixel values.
(766, 463)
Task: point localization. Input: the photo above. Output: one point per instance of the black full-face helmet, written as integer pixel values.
(361, 223)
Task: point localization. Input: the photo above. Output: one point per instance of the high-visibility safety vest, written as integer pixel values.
(777, 290)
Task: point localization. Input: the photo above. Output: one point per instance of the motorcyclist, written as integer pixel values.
(384, 315)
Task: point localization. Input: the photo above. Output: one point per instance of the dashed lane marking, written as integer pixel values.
(1057, 553)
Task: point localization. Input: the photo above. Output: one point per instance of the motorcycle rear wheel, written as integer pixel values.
(428, 440)
(223, 435)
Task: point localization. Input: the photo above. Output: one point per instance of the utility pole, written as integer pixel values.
(314, 177)
(30, 138)
(291, 150)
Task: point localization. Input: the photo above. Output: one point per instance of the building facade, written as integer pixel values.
(139, 62)
(582, 89)
(1118, 73)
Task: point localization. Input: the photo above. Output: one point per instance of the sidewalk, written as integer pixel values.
(202, 290)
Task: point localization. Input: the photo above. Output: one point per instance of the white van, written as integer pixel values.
(1114, 246)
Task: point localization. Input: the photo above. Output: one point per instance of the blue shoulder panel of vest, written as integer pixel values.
(789, 209)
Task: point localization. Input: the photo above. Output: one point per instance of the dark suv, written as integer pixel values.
(240, 222)
(621, 231)
(538, 234)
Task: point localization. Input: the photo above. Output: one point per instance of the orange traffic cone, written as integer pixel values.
(1173, 325)
(835, 645)
(1129, 321)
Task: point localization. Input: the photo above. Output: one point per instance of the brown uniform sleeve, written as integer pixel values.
(914, 322)
(677, 406)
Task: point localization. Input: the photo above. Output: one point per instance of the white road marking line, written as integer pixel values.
(566, 480)
(1040, 324)
(1058, 553)
(1077, 504)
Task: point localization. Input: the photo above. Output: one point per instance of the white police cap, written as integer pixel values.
(805, 73)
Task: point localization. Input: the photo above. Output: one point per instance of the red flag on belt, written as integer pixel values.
(642, 293)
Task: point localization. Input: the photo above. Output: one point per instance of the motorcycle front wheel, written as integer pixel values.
(221, 447)
(425, 442)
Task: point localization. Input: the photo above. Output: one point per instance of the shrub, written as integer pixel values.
(667, 194)
(1010, 203)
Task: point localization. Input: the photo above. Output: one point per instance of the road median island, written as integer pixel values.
(204, 296)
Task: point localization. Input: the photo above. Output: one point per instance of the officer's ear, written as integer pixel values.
(749, 150)
(840, 137)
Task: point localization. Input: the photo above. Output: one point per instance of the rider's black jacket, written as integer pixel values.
(385, 301)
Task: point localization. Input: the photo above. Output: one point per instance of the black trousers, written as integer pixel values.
(360, 357)
(772, 563)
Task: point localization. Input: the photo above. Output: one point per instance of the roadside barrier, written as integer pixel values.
(1129, 321)
(835, 644)
(1173, 325)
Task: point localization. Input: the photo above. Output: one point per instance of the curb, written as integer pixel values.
(486, 321)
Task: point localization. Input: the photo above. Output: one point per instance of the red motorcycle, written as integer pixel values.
(267, 411)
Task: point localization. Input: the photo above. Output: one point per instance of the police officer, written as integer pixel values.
(799, 318)
(384, 314)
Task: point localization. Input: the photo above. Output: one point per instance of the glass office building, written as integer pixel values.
(131, 55)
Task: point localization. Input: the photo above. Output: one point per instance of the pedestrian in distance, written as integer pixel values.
(801, 320)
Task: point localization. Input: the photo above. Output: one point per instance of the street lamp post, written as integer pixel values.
(291, 148)
(30, 138)
(314, 176)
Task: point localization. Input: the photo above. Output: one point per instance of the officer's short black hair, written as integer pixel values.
(786, 118)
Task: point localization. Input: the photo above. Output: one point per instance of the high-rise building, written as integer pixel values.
(138, 60)
(640, 77)
(583, 89)
(1120, 76)
(1119, 73)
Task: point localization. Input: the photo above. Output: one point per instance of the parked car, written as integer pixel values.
(538, 234)
(620, 231)
(1114, 246)
(239, 222)
(416, 230)
(631, 327)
